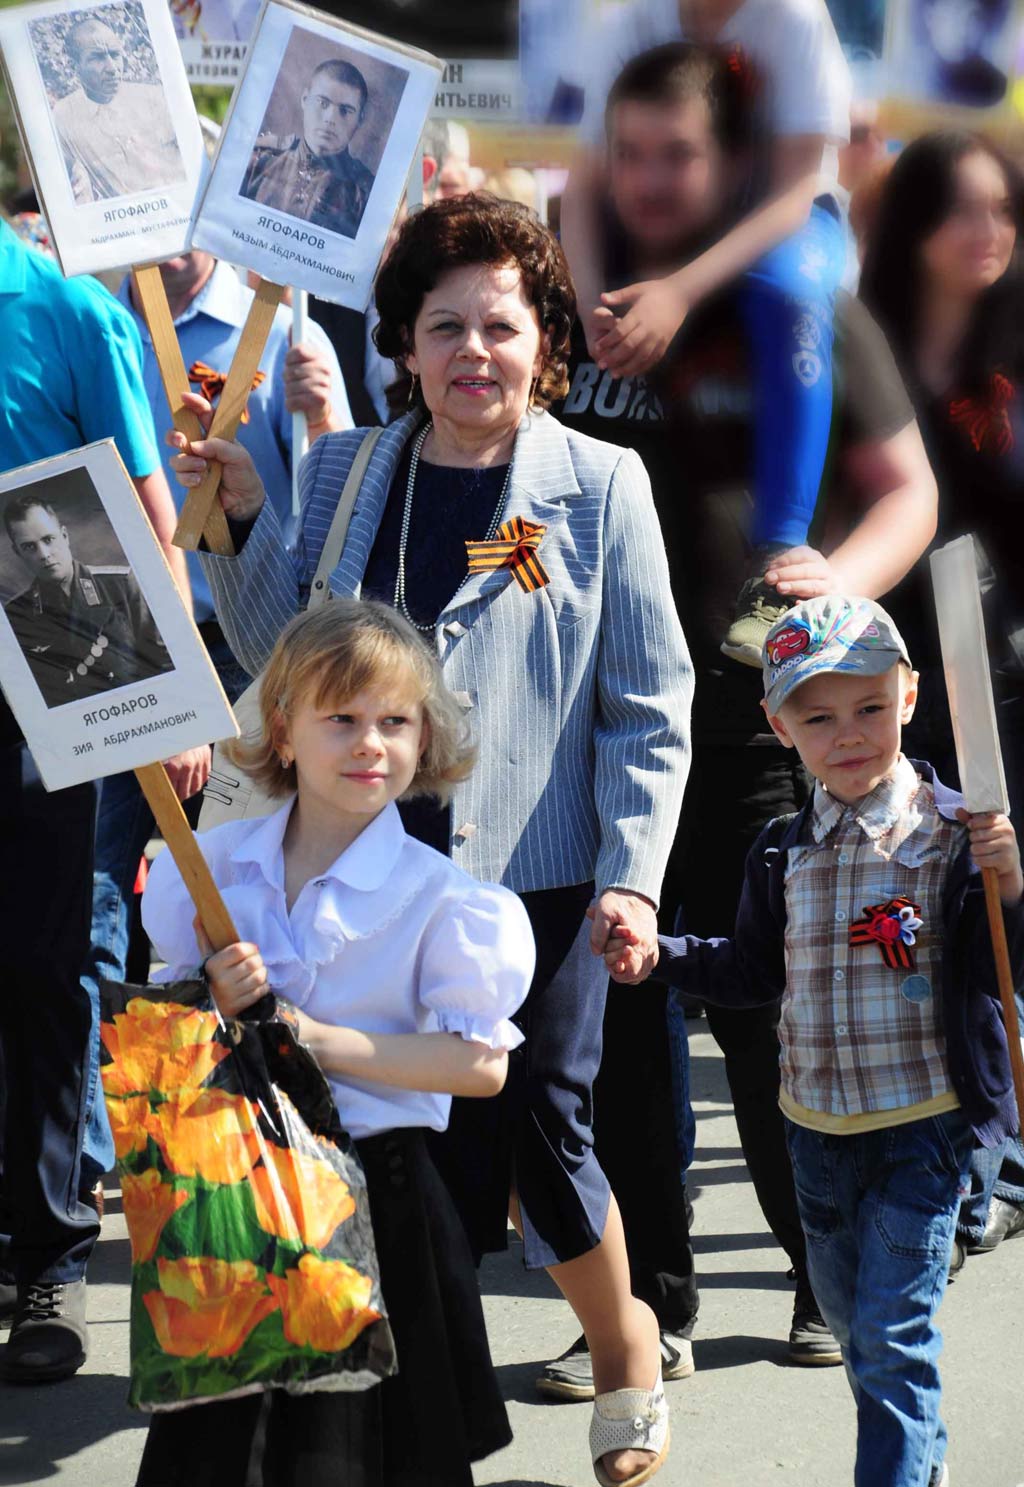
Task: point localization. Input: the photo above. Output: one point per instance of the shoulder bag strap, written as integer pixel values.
(320, 590)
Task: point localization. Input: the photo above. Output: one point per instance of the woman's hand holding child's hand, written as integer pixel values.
(625, 962)
(994, 845)
(236, 975)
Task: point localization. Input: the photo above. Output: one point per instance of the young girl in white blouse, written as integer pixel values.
(403, 973)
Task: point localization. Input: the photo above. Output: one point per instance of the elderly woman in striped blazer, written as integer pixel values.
(531, 557)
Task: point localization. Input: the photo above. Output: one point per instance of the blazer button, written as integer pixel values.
(454, 629)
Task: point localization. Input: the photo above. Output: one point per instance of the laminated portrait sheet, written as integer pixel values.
(99, 658)
(952, 57)
(315, 153)
(108, 126)
(968, 678)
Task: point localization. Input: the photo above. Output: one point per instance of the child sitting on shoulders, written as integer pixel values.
(866, 914)
(403, 973)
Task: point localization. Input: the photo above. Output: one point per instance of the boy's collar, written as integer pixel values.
(875, 813)
(947, 803)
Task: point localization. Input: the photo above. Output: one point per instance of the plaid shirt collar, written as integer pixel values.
(886, 806)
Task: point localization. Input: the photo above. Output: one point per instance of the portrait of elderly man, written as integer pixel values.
(84, 629)
(314, 175)
(117, 136)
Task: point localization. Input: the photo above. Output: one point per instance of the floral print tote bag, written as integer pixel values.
(253, 1261)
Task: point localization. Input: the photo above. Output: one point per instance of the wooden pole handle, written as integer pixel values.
(181, 843)
(149, 290)
(201, 502)
(1004, 976)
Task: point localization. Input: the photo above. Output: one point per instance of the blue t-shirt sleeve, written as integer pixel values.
(105, 357)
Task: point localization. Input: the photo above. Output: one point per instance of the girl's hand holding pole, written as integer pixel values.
(241, 490)
(236, 975)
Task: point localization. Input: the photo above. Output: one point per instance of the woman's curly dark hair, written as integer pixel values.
(477, 229)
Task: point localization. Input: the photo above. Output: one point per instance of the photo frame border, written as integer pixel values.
(68, 746)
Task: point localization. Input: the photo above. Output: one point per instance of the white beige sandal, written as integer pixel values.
(630, 1420)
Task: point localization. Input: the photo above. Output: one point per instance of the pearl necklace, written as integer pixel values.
(403, 541)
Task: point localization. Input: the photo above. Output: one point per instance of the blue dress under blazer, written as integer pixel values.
(580, 693)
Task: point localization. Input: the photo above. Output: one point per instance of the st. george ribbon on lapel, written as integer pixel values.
(514, 547)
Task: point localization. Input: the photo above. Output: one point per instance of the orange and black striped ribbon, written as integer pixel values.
(211, 383)
(880, 926)
(514, 547)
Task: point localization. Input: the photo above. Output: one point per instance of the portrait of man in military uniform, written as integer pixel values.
(84, 629)
(313, 175)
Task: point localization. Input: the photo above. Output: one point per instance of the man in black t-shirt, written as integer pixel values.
(674, 175)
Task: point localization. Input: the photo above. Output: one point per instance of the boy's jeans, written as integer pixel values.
(879, 1211)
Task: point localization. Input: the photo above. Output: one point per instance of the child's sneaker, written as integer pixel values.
(810, 1339)
(757, 609)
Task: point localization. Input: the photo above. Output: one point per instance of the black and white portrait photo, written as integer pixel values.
(108, 128)
(315, 153)
(107, 101)
(952, 52)
(77, 613)
(323, 133)
(100, 660)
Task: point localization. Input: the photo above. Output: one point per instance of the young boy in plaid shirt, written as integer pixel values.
(865, 913)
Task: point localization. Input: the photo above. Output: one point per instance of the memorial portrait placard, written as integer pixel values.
(944, 55)
(315, 153)
(108, 126)
(99, 658)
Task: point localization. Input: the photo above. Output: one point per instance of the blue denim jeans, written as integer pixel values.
(996, 1172)
(123, 827)
(879, 1212)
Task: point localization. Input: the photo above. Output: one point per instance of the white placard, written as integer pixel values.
(315, 152)
(214, 37)
(950, 55)
(109, 128)
(99, 659)
(968, 679)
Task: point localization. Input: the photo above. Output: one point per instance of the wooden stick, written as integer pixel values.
(1004, 975)
(181, 843)
(202, 499)
(152, 296)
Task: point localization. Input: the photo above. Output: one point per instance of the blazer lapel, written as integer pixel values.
(543, 481)
(347, 579)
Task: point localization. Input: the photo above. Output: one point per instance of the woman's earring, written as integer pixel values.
(412, 390)
(285, 762)
(533, 391)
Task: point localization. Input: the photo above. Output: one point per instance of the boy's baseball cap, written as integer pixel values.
(834, 633)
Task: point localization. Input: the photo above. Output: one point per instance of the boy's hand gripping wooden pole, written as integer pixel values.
(1004, 975)
(181, 843)
(152, 297)
(201, 508)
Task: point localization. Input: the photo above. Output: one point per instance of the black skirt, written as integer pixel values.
(421, 1428)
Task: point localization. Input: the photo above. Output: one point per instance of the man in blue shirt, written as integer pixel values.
(71, 373)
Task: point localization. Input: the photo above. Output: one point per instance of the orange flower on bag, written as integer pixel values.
(325, 1304)
(128, 1126)
(207, 1306)
(207, 1133)
(159, 1045)
(299, 1196)
(148, 1204)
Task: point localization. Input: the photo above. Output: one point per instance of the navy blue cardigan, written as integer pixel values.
(750, 969)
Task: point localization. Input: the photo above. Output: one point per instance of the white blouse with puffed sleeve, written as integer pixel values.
(393, 938)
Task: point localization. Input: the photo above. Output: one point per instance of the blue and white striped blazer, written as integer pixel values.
(580, 691)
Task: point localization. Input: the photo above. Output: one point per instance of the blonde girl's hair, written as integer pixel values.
(328, 655)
